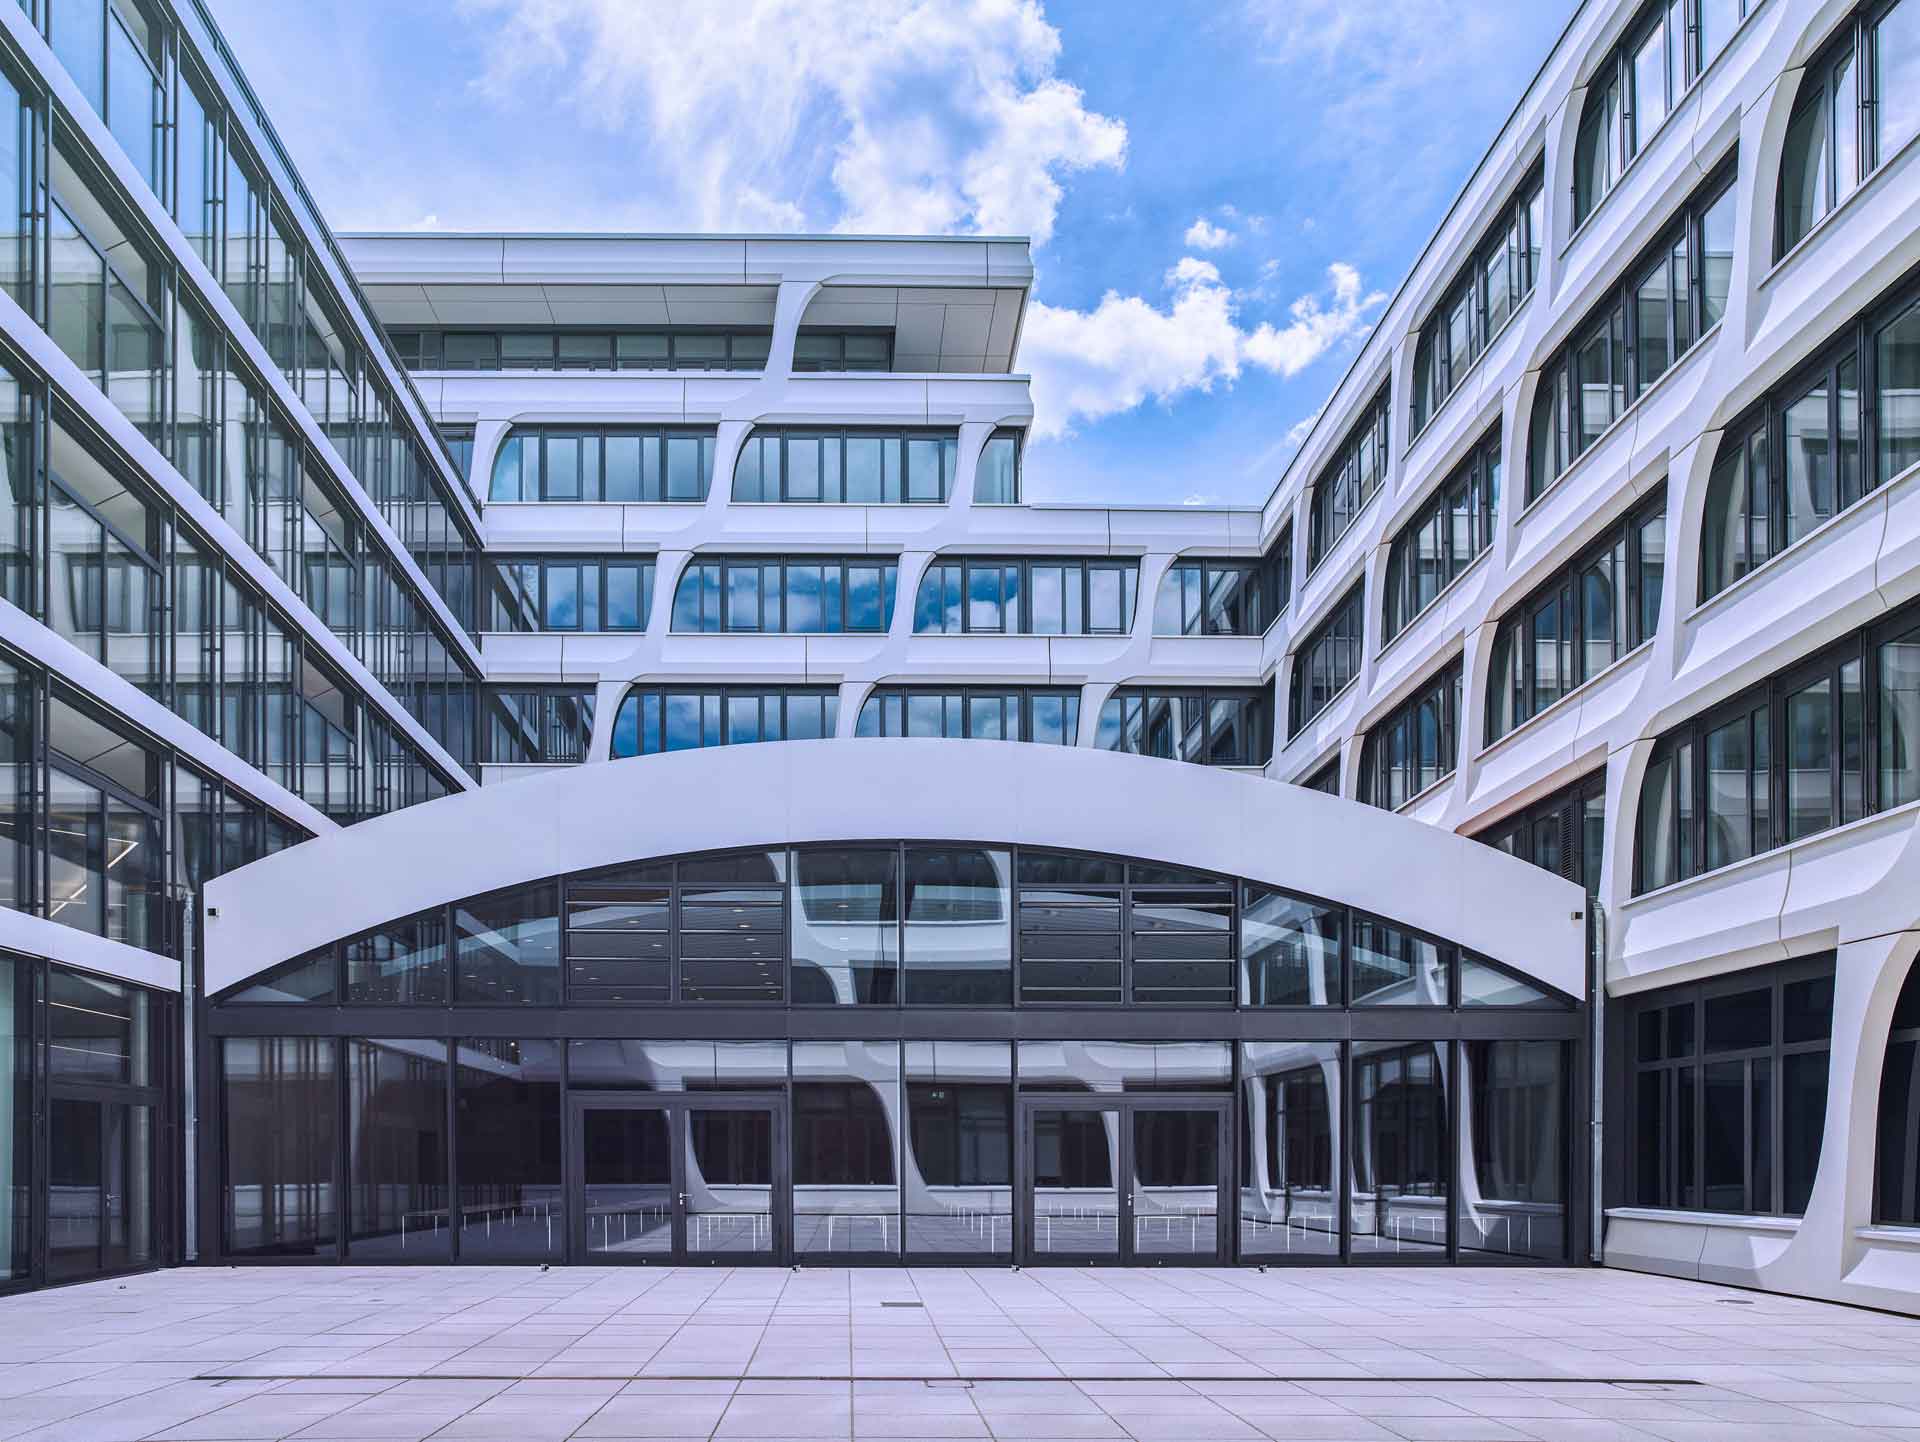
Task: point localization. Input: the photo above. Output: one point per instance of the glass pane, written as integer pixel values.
(1896, 79)
(98, 1030)
(1400, 1162)
(507, 1131)
(1289, 950)
(281, 1105)
(397, 1146)
(1803, 172)
(507, 948)
(959, 927)
(1392, 967)
(1898, 719)
(405, 963)
(1076, 1163)
(77, 1189)
(1810, 761)
(1123, 1066)
(1176, 1183)
(959, 1168)
(1803, 1123)
(626, 1170)
(1512, 1168)
(846, 940)
(1810, 464)
(846, 1105)
(1289, 1149)
(1485, 985)
(17, 1190)
(728, 1163)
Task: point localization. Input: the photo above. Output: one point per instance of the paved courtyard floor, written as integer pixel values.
(497, 1354)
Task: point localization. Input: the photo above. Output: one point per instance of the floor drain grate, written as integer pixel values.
(903, 1304)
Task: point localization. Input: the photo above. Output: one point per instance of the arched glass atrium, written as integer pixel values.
(885, 1048)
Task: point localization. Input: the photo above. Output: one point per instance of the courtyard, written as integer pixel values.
(494, 1353)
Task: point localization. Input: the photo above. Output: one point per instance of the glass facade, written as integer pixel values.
(1671, 296)
(974, 713)
(1026, 1100)
(1728, 1089)
(794, 595)
(1637, 86)
(1416, 745)
(88, 1181)
(1219, 726)
(652, 719)
(1477, 306)
(1071, 596)
(1854, 110)
(847, 467)
(1349, 480)
(1328, 660)
(1448, 534)
(1580, 621)
(631, 464)
(1786, 759)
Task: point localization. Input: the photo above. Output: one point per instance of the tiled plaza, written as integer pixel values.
(492, 1354)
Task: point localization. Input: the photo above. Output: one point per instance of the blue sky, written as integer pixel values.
(1220, 194)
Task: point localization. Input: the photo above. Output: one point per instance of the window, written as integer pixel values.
(626, 465)
(507, 948)
(1496, 279)
(653, 719)
(1564, 833)
(1640, 84)
(1326, 779)
(1347, 482)
(1415, 746)
(1580, 621)
(797, 595)
(1214, 727)
(581, 349)
(1444, 537)
(1210, 597)
(1896, 1187)
(998, 481)
(506, 1130)
(1785, 759)
(976, 713)
(108, 292)
(281, 1116)
(1047, 597)
(539, 726)
(1087, 923)
(823, 350)
(850, 467)
(1729, 1089)
(1667, 299)
(1855, 109)
(115, 52)
(569, 593)
(958, 932)
(1826, 437)
(1327, 662)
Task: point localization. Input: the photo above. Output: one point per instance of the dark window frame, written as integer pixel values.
(1471, 489)
(1341, 492)
(1258, 712)
(1392, 744)
(724, 566)
(883, 700)
(1513, 674)
(939, 564)
(1555, 416)
(1437, 371)
(1681, 750)
(1349, 614)
(657, 694)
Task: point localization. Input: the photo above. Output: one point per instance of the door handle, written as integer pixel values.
(683, 1199)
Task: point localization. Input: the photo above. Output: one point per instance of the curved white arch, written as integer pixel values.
(805, 791)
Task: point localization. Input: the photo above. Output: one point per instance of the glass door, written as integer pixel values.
(628, 1209)
(732, 1167)
(676, 1179)
(1123, 1180)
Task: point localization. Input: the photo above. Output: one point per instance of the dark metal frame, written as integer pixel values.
(675, 1106)
(1125, 1106)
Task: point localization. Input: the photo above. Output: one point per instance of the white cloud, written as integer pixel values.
(1203, 234)
(907, 116)
(1298, 432)
(1087, 365)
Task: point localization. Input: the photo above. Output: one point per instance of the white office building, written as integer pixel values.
(1495, 848)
